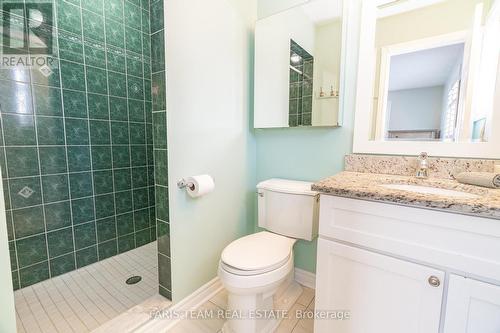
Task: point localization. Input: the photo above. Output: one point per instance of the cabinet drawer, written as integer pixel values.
(461, 243)
(381, 294)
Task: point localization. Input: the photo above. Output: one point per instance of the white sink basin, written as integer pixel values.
(430, 190)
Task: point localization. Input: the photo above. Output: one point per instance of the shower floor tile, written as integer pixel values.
(84, 299)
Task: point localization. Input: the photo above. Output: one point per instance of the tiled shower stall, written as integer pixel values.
(83, 140)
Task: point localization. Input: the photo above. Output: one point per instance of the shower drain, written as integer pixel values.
(133, 279)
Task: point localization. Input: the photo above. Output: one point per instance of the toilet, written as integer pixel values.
(257, 270)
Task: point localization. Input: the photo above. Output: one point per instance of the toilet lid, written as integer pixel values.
(258, 251)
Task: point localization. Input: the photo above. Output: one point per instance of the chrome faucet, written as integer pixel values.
(423, 166)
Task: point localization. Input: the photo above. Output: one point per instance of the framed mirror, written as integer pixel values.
(298, 66)
(431, 78)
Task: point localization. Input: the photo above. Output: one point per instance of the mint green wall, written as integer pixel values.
(309, 153)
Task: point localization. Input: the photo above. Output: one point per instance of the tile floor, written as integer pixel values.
(291, 324)
(82, 300)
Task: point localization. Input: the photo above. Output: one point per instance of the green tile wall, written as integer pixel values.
(76, 147)
(160, 145)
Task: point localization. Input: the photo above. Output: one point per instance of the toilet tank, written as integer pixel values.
(289, 208)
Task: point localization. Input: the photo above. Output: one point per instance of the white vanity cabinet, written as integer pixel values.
(401, 269)
(472, 306)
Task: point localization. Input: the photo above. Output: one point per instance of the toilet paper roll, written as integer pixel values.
(200, 185)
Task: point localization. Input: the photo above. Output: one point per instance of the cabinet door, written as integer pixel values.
(381, 293)
(472, 307)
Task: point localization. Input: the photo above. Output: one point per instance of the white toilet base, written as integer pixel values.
(281, 299)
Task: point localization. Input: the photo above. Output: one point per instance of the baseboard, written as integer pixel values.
(305, 278)
(191, 302)
(202, 295)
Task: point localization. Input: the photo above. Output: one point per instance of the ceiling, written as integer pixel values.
(320, 11)
(427, 68)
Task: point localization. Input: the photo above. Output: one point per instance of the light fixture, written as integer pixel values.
(295, 58)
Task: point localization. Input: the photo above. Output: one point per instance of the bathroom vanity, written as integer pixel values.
(400, 259)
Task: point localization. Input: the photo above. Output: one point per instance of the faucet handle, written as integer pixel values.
(423, 156)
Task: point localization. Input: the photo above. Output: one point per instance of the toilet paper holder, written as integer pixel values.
(183, 183)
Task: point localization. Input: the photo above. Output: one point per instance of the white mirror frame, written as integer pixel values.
(362, 142)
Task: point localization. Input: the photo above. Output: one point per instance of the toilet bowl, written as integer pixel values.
(258, 270)
(255, 270)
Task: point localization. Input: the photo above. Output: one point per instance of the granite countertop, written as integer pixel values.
(366, 186)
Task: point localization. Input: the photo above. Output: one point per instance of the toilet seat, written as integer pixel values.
(257, 254)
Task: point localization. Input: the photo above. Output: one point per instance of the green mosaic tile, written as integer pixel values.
(50, 130)
(134, 65)
(95, 54)
(122, 179)
(63, 264)
(55, 188)
(160, 130)
(138, 155)
(77, 131)
(83, 210)
(135, 88)
(125, 224)
(118, 108)
(107, 249)
(10, 227)
(137, 134)
(19, 130)
(60, 242)
(15, 280)
(13, 256)
(143, 237)
(58, 215)
(163, 232)
(75, 104)
(146, 45)
(119, 133)
(25, 192)
(139, 177)
(99, 132)
(103, 182)
(73, 76)
(28, 221)
(136, 110)
(95, 6)
(157, 52)
(33, 274)
(104, 206)
(156, 16)
(115, 33)
(81, 185)
(70, 47)
(52, 160)
(148, 110)
(117, 84)
(47, 101)
(121, 156)
(116, 59)
(84, 236)
(78, 158)
(161, 167)
(101, 157)
(106, 229)
(86, 256)
(132, 15)
(164, 273)
(161, 194)
(158, 91)
(98, 106)
(123, 202)
(145, 21)
(20, 105)
(40, 76)
(31, 250)
(141, 219)
(133, 40)
(97, 80)
(140, 198)
(93, 26)
(126, 243)
(70, 20)
(22, 161)
(114, 9)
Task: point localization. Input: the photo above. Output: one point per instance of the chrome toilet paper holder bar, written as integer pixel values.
(183, 183)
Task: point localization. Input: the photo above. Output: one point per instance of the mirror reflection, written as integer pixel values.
(297, 66)
(435, 79)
